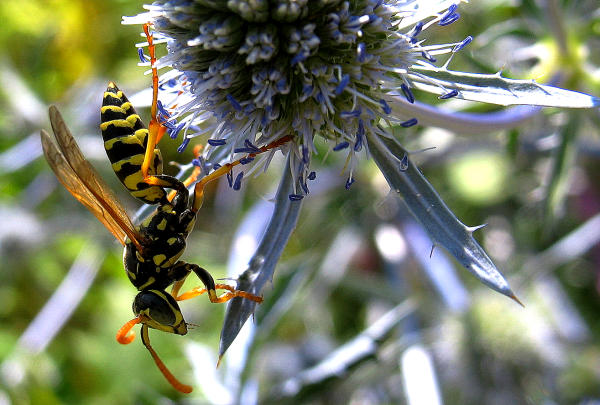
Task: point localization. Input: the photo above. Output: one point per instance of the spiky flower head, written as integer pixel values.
(254, 71)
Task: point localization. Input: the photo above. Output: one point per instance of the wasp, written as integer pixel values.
(152, 249)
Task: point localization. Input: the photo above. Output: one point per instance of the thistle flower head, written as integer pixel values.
(255, 71)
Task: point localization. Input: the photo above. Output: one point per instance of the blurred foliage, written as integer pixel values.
(56, 43)
(533, 186)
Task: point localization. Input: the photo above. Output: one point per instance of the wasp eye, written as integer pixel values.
(159, 306)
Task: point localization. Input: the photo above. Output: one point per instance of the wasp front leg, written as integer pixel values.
(155, 129)
(130, 146)
(182, 269)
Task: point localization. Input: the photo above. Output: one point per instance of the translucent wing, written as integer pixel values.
(83, 182)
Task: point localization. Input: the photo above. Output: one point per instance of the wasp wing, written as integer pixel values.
(83, 182)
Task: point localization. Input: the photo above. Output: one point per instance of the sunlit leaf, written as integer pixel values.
(496, 89)
(428, 208)
(262, 265)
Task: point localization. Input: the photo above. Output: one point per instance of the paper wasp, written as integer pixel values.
(152, 249)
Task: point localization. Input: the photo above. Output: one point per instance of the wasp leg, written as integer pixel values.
(196, 291)
(209, 285)
(186, 389)
(193, 177)
(163, 180)
(176, 287)
(155, 129)
(179, 200)
(226, 168)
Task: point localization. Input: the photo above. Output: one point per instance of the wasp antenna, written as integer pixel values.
(123, 335)
(183, 388)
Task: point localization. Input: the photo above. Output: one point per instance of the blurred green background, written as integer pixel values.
(535, 186)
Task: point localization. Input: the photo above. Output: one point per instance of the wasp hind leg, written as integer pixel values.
(184, 269)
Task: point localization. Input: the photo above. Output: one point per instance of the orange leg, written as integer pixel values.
(192, 178)
(184, 269)
(155, 129)
(233, 293)
(176, 287)
(226, 168)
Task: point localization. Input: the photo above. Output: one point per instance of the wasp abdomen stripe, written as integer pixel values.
(111, 131)
(126, 168)
(123, 151)
(125, 139)
(110, 112)
(119, 119)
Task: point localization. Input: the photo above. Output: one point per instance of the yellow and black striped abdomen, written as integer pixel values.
(125, 139)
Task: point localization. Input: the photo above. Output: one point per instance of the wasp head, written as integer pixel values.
(159, 310)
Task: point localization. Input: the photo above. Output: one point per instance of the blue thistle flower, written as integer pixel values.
(257, 71)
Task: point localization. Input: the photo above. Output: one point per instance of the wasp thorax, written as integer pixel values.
(160, 311)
